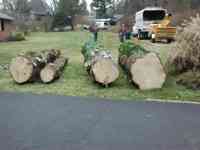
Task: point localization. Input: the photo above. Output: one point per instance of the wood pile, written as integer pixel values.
(45, 66)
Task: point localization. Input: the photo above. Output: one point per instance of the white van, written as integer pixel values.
(102, 24)
(144, 19)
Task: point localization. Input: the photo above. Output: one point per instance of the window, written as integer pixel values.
(2, 25)
(154, 15)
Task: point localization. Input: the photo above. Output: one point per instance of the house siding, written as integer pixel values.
(9, 27)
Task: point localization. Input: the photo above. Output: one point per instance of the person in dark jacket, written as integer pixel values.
(94, 29)
(122, 33)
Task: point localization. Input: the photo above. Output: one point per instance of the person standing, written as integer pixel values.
(94, 29)
(122, 33)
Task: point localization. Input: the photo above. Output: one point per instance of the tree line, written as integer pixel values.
(181, 9)
(131, 6)
(64, 11)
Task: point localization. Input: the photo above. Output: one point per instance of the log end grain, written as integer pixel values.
(48, 74)
(21, 69)
(53, 70)
(105, 71)
(148, 72)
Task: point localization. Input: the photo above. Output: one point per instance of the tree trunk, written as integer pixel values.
(53, 70)
(103, 69)
(145, 71)
(26, 67)
(100, 65)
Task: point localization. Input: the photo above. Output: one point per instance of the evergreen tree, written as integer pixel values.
(67, 10)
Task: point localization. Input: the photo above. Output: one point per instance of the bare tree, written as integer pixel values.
(16, 6)
(53, 5)
(66, 10)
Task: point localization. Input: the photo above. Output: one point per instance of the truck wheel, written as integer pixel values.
(145, 35)
(140, 35)
(169, 41)
(153, 38)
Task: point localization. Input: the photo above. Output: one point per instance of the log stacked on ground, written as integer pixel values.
(144, 68)
(26, 67)
(99, 64)
(53, 70)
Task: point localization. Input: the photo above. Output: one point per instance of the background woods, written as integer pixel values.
(181, 9)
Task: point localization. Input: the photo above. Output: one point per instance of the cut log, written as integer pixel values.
(21, 69)
(26, 67)
(144, 68)
(45, 56)
(102, 68)
(148, 72)
(100, 64)
(53, 70)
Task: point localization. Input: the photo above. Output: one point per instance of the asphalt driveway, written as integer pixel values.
(31, 122)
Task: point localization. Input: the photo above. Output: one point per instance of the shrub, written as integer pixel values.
(186, 54)
(27, 32)
(190, 79)
(130, 48)
(16, 36)
(184, 59)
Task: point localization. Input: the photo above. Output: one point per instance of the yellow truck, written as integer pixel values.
(163, 30)
(154, 23)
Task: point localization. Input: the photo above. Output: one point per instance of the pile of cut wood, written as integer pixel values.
(143, 67)
(45, 66)
(99, 63)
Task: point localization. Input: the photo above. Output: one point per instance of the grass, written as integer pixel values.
(75, 81)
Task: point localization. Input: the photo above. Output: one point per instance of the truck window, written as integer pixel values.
(154, 15)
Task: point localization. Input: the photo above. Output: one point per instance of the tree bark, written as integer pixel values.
(26, 67)
(145, 71)
(53, 70)
(100, 65)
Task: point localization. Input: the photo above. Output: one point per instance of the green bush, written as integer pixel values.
(27, 33)
(129, 48)
(16, 36)
(88, 49)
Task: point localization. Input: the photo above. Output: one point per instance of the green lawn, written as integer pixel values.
(75, 81)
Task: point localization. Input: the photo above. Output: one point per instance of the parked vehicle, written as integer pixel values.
(113, 21)
(163, 30)
(147, 20)
(86, 27)
(103, 24)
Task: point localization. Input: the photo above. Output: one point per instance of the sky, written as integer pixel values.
(89, 2)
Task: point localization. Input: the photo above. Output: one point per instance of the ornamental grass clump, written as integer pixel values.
(184, 59)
